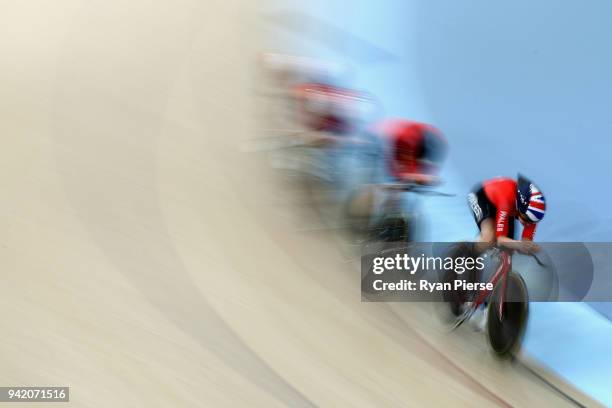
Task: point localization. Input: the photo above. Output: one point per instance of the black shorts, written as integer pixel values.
(482, 208)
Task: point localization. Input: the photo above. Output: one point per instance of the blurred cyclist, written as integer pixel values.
(414, 153)
(330, 112)
(325, 112)
(496, 204)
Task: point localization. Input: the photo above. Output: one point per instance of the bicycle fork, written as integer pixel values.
(500, 273)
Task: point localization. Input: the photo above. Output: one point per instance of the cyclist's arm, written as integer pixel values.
(490, 237)
(528, 232)
(509, 243)
(525, 246)
(501, 231)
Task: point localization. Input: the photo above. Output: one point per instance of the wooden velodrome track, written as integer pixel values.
(146, 261)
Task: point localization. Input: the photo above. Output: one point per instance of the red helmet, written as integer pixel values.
(415, 147)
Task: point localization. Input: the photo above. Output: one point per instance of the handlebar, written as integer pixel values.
(538, 261)
(497, 251)
(413, 187)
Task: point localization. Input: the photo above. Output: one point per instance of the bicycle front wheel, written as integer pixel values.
(506, 331)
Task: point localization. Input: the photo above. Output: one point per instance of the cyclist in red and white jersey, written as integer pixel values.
(498, 202)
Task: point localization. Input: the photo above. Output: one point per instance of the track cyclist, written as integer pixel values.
(495, 205)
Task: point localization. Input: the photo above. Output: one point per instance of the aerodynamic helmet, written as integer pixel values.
(529, 199)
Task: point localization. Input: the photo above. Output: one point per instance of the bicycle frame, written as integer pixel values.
(501, 273)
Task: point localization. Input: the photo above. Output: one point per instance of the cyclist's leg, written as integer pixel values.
(484, 215)
(487, 235)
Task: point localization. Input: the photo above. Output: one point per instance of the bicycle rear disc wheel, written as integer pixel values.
(505, 334)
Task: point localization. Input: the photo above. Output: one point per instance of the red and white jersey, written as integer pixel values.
(502, 192)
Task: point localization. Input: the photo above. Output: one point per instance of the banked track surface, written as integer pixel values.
(146, 261)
